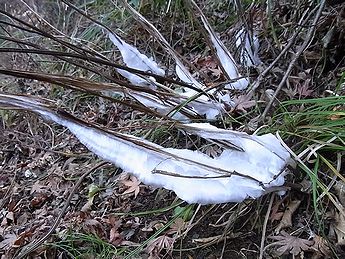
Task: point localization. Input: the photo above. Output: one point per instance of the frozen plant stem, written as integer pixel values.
(248, 171)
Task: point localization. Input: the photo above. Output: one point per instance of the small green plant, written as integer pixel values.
(316, 129)
(79, 245)
(313, 121)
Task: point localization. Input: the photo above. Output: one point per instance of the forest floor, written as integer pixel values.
(111, 214)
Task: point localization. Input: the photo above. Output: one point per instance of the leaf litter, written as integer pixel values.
(290, 244)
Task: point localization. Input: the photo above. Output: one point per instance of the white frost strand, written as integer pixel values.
(262, 158)
(224, 57)
(249, 54)
(255, 161)
(134, 59)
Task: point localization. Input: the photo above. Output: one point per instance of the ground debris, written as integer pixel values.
(290, 244)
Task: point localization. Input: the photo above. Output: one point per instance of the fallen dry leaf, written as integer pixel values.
(87, 206)
(305, 89)
(275, 214)
(38, 187)
(338, 112)
(8, 240)
(133, 186)
(290, 244)
(21, 239)
(243, 102)
(38, 199)
(115, 237)
(156, 246)
(178, 226)
(339, 227)
(286, 220)
(340, 191)
(12, 240)
(321, 248)
(95, 227)
(153, 225)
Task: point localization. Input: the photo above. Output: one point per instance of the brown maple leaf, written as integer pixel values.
(305, 89)
(291, 244)
(321, 247)
(156, 246)
(38, 188)
(275, 214)
(339, 227)
(243, 102)
(286, 220)
(177, 227)
(133, 185)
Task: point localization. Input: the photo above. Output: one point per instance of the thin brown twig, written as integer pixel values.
(86, 57)
(24, 252)
(81, 87)
(227, 174)
(305, 44)
(264, 227)
(8, 191)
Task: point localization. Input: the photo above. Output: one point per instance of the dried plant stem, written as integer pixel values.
(35, 244)
(281, 54)
(264, 227)
(305, 44)
(191, 4)
(291, 41)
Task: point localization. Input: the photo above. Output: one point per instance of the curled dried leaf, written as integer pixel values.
(156, 246)
(321, 248)
(339, 228)
(290, 244)
(287, 216)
